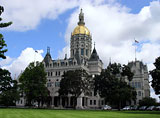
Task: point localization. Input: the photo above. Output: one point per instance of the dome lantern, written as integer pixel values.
(81, 29)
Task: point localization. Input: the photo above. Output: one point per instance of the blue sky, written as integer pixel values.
(51, 32)
(113, 24)
(47, 33)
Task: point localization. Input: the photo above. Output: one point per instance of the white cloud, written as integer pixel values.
(5, 61)
(114, 28)
(27, 14)
(20, 63)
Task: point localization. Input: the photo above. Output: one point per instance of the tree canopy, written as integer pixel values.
(111, 84)
(147, 101)
(8, 89)
(33, 83)
(155, 73)
(74, 82)
(2, 42)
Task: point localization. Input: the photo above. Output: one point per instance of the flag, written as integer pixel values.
(136, 41)
(36, 51)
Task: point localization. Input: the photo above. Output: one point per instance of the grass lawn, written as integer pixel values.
(42, 113)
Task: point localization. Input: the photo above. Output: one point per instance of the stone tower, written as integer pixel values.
(81, 41)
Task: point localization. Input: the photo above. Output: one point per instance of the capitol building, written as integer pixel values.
(83, 57)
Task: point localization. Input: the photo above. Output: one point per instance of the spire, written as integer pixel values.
(94, 55)
(48, 57)
(48, 50)
(94, 49)
(81, 18)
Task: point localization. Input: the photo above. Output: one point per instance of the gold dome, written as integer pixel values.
(81, 29)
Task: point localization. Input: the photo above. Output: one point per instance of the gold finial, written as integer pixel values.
(81, 18)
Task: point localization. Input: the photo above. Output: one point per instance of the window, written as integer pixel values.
(56, 73)
(51, 73)
(82, 51)
(139, 84)
(48, 73)
(139, 93)
(136, 84)
(132, 84)
(57, 84)
(49, 84)
(90, 102)
(87, 52)
(94, 102)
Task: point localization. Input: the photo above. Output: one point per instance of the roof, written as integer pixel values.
(47, 58)
(81, 29)
(94, 56)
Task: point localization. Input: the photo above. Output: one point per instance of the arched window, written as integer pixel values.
(82, 51)
(87, 52)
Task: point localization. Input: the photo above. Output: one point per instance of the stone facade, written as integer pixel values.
(140, 79)
(82, 57)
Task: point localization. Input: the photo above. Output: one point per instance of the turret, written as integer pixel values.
(81, 41)
(47, 58)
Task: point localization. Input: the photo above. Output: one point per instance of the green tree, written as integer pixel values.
(111, 84)
(147, 101)
(33, 84)
(74, 82)
(2, 42)
(8, 89)
(155, 73)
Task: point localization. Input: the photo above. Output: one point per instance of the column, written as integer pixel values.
(60, 102)
(79, 103)
(52, 104)
(69, 101)
(65, 102)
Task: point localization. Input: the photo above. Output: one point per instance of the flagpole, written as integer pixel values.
(136, 42)
(35, 58)
(135, 54)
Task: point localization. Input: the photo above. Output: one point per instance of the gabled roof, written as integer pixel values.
(47, 58)
(94, 56)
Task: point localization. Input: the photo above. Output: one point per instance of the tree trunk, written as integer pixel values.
(74, 102)
(119, 106)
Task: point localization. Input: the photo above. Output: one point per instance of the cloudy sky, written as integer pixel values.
(114, 24)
